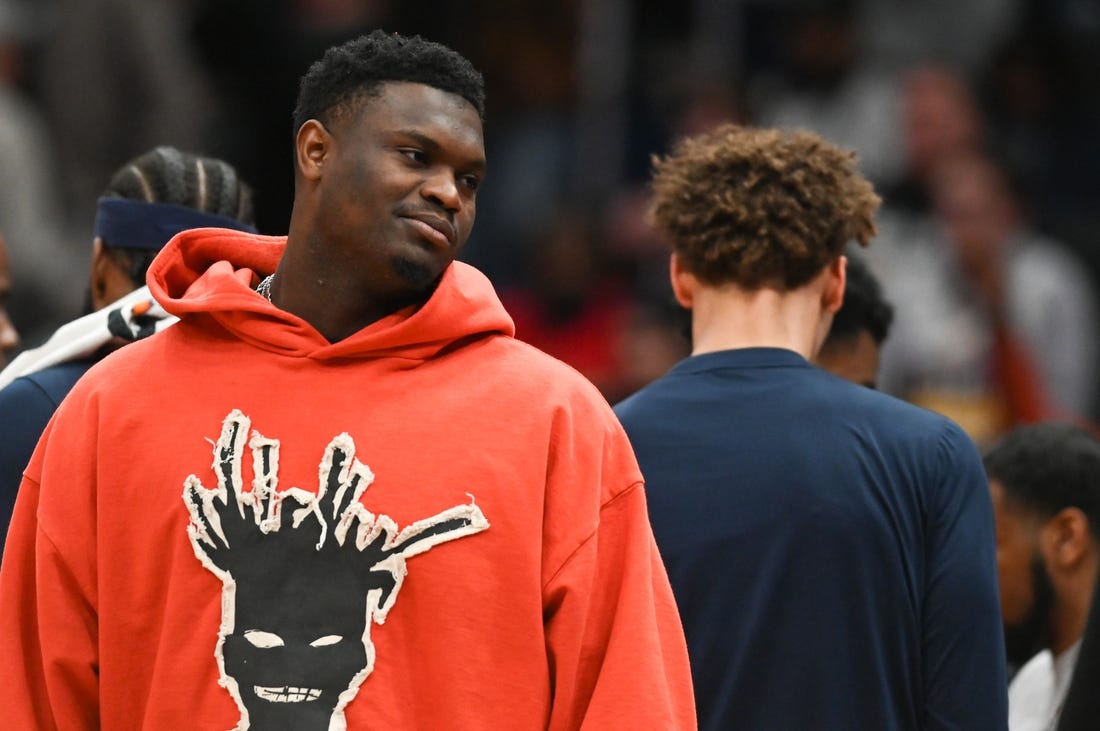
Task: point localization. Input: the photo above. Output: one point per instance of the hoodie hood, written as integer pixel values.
(211, 273)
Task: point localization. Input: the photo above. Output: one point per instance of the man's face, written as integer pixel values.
(855, 360)
(397, 196)
(9, 337)
(1027, 593)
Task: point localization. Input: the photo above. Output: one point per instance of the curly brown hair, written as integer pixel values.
(760, 207)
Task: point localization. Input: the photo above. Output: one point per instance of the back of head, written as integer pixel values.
(170, 190)
(760, 208)
(1048, 467)
(864, 309)
(358, 68)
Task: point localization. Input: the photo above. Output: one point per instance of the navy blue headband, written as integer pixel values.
(130, 224)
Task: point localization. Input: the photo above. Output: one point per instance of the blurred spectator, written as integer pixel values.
(824, 83)
(996, 323)
(117, 77)
(9, 336)
(959, 32)
(852, 348)
(49, 289)
(532, 141)
(1039, 90)
(940, 118)
(1046, 500)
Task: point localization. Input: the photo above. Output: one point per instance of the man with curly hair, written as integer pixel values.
(830, 547)
(341, 431)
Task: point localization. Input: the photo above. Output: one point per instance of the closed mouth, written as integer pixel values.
(436, 229)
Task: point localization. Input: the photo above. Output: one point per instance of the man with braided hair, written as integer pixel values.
(147, 201)
(345, 496)
(831, 548)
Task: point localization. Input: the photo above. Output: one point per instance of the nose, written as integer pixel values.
(442, 188)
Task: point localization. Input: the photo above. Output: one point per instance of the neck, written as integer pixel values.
(329, 298)
(728, 318)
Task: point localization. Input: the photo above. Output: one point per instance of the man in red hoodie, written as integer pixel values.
(341, 431)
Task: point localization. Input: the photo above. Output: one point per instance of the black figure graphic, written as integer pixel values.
(298, 602)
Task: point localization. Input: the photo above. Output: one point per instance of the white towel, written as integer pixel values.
(125, 320)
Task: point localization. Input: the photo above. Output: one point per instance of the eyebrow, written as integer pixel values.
(432, 145)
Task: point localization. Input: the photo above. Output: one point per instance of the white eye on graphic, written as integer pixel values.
(326, 641)
(263, 640)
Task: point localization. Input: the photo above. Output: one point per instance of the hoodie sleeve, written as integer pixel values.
(617, 653)
(48, 671)
(49, 663)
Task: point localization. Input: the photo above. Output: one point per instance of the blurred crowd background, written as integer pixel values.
(976, 119)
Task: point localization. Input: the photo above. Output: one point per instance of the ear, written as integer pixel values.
(1066, 539)
(103, 275)
(836, 279)
(313, 145)
(684, 283)
(109, 280)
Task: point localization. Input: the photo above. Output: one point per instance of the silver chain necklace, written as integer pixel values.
(264, 287)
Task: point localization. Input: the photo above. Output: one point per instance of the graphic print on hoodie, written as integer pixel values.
(304, 575)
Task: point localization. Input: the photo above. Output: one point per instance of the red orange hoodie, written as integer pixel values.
(427, 525)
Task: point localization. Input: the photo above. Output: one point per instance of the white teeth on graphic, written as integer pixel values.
(285, 694)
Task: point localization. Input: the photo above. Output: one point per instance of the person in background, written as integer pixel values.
(344, 496)
(830, 548)
(860, 326)
(1045, 483)
(9, 336)
(996, 322)
(148, 200)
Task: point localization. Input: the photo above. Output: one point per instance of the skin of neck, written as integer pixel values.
(344, 308)
(727, 317)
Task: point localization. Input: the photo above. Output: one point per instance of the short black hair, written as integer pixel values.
(359, 67)
(1048, 467)
(169, 175)
(864, 307)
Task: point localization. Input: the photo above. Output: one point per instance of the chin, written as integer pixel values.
(420, 277)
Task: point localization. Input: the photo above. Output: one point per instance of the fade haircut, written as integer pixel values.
(864, 308)
(760, 207)
(347, 73)
(1048, 467)
(167, 175)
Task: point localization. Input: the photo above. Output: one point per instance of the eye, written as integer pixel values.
(263, 640)
(326, 641)
(471, 181)
(417, 156)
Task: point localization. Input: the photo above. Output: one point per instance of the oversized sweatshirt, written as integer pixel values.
(426, 525)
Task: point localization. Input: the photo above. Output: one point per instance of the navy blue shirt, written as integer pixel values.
(831, 549)
(26, 406)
